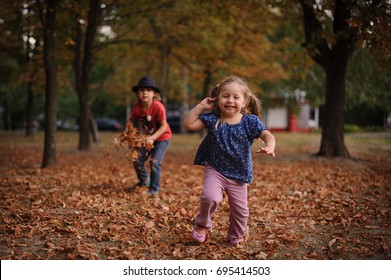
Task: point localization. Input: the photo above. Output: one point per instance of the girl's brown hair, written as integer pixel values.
(252, 104)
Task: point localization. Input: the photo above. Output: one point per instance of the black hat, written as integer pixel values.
(146, 82)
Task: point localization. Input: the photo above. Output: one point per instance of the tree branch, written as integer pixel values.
(316, 46)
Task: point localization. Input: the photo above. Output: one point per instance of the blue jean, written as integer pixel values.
(155, 156)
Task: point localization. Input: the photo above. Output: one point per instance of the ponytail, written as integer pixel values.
(254, 106)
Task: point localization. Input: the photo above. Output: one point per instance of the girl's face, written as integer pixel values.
(231, 99)
(146, 95)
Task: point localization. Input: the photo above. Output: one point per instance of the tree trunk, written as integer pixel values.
(207, 81)
(49, 156)
(205, 88)
(165, 48)
(333, 142)
(8, 117)
(94, 129)
(333, 57)
(82, 68)
(165, 71)
(30, 110)
(30, 93)
(2, 127)
(84, 121)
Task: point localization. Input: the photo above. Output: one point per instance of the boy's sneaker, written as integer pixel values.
(146, 183)
(199, 234)
(153, 191)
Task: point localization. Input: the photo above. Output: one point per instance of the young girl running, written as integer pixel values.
(233, 122)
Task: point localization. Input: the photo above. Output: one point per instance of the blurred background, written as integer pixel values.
(101, 49)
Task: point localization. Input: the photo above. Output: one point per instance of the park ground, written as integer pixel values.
(301, 206)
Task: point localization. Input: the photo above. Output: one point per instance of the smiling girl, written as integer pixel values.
(233, 122)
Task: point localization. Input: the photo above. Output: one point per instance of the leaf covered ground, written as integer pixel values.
(301, 206)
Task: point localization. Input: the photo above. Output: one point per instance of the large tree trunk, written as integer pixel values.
(49, 156)
(333, 143)
(333, 56)
(82, 68)
(30, 92)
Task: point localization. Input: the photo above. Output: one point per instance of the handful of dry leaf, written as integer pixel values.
(131, 138)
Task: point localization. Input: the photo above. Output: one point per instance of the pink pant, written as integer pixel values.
(214, 186)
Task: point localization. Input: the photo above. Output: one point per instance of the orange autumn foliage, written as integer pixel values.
(132, 139)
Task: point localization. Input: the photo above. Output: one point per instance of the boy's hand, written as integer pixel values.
(149, 144)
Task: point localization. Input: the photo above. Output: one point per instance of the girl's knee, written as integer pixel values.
(210, 199)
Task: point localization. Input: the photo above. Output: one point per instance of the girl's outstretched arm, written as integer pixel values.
(192, 120)
(270, 143)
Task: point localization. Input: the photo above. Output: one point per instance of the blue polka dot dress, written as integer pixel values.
(228, 147)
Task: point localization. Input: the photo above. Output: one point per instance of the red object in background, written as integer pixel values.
(292, 123)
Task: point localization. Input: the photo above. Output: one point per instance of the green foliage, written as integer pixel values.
(368, 84)
(293, 106)
(352, 128)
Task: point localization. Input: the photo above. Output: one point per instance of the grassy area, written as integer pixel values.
(286, 142)
(378, 142)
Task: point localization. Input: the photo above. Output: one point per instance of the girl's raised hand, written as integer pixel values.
(208, 103)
